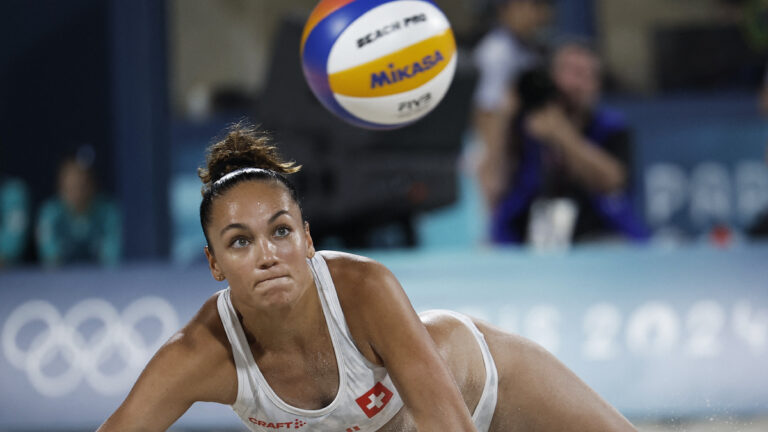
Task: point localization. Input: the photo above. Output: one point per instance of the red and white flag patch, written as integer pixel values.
(374, 400)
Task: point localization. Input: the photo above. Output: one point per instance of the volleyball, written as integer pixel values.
(378, 64)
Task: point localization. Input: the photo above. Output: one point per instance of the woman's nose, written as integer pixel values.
(266, 254)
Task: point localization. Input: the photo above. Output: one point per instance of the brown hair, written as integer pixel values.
(244, 146)
(244, 154)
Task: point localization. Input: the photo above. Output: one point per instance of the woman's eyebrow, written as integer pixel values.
(277, 215)
(232, 226)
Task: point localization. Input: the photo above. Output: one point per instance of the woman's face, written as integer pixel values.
(260, 245)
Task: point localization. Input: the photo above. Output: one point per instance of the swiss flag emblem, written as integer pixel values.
(374, 400)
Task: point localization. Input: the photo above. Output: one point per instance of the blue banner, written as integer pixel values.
(700, 161)
(656, 332)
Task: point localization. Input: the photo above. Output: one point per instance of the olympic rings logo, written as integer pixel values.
(63, 344)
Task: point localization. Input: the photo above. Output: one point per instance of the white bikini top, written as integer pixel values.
(366, 399)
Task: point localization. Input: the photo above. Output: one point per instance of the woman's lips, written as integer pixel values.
(270, 279)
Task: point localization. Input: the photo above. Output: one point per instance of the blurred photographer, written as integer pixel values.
(572, 159)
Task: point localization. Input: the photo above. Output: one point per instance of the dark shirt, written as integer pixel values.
(540, 174)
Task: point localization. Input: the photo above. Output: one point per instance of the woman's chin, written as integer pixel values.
(277, 293)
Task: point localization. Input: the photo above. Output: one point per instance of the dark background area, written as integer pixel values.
(96, 73)
(89, 73)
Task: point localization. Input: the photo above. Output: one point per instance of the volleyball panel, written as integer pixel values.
(321, 11)
(397, 72)
(399, 109)
(329, 19)
(385, 29)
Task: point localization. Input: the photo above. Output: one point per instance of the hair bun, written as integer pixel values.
(244, 146)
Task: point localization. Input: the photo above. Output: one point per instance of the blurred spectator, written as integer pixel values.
(572, 158)
(500, 57)
(78, 225)
(14, 220)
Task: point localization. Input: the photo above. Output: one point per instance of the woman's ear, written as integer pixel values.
(308, 237)
(213, 265)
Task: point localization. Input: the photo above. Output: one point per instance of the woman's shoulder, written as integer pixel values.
(360, 282)
(201, 353)
(366, 290)
(205, 333)
(347, 268)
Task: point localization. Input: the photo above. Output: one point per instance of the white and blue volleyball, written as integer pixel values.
(378, 64)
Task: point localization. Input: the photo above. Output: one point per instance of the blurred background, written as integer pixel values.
(629, 243)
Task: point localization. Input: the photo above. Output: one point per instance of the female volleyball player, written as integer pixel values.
(328, 341)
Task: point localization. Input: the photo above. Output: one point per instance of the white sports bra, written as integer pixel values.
(366, 399)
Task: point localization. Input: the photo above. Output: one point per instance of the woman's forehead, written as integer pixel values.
(254, 201)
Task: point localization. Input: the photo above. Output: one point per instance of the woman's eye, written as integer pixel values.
(282, 231)
(240, 242)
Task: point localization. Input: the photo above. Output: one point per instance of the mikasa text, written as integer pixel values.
(396, 74)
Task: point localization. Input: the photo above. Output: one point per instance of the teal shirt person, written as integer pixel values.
(78, 226)
(66, 237)
(14, 220)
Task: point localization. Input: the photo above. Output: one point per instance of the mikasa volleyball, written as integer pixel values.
(378, 64)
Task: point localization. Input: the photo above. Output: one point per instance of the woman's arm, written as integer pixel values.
(192, 366)
(384, 315)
